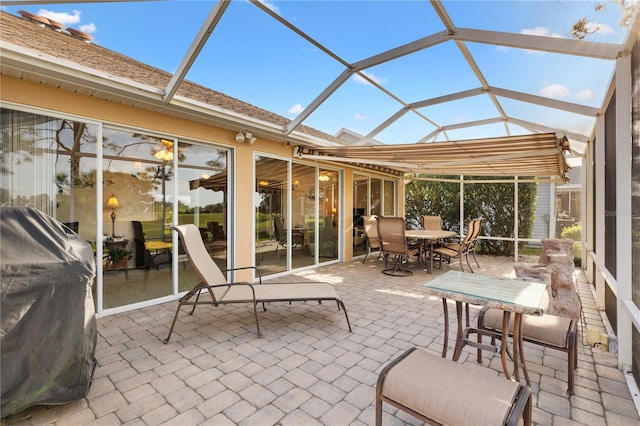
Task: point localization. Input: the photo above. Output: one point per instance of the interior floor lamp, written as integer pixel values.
(113, 204)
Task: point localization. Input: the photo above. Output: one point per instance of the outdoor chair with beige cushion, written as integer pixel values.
(464, 247)
(216, 290)
(443, 392)
(394, 245)
(549, 331)
(432, 223)
(370, 224)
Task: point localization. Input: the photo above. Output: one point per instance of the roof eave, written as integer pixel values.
(108, 86)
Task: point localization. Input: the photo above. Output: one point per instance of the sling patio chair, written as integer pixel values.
(432, 223)
(370, 224)
(220, 292)
(466, 246)
(394, 245)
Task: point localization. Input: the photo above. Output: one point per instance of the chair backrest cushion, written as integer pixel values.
(473, 231)
(199, 257)
(277, 228)
(371, 230)
(391, 234)
(138, 232)
(432, 223)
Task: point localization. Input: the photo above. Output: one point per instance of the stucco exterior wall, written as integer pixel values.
(59, 101)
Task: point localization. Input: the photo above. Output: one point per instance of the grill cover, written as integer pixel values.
(48, 325)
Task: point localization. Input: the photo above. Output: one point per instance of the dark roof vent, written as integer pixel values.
(80, 35)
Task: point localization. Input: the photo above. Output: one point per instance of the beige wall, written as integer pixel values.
(61, 101)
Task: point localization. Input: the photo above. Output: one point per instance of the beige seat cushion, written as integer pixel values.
(449, 392)
(446, 251)
(280, 292)
(548, 329)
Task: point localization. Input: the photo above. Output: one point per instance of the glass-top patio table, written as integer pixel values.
(430, 237)
(509, 295)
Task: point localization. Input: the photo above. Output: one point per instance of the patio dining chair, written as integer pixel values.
(432, 223)
(463, 248)
(548, 331)
(370, 224)
(394, 245)
(440, 391)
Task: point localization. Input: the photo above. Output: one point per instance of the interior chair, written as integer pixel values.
(144, 259)
(432, 223)
(370, 224)
(439, 391)
(216, 290)
(216, 231)
(549, 331)
(462, 249)
(280, 233)
(394, 245)
(72, 225)
(328, 238)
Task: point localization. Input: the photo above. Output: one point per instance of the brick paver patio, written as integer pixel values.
(308, 369)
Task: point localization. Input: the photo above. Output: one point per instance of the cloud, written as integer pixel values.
(88, 28)
(359, 116)
(271, 6)
(68, 19)
(296, 109)
(64, 18)
(540, 31)
(601, 28)
(555, 91)
(585, 94)
(380, 80)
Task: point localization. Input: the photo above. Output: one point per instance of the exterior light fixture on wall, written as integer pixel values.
(245, 135)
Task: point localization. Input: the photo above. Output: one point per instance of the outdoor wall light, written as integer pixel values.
(245, 135)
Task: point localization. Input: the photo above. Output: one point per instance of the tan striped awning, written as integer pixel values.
(541, 155)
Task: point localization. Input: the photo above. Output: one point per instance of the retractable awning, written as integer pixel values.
(540, 155)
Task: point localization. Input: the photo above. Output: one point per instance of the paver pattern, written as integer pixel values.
(308, 369)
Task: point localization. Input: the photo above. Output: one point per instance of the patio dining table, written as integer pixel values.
(428, 238)
(509, 295)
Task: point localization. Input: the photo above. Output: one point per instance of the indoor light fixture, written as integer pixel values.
(245, 135)
(323, 177)
(165, 153)
(113, 204)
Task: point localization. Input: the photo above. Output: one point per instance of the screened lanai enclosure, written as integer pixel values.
(275, 126)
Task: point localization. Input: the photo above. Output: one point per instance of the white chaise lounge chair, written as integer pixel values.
(220, 292)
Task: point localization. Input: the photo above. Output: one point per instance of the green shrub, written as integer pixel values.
(492, 201)
(573, 232)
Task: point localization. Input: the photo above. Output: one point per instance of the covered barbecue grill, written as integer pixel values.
(48, 327)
